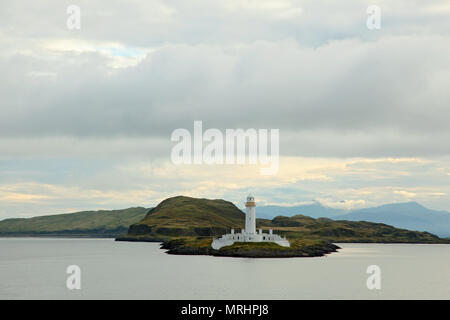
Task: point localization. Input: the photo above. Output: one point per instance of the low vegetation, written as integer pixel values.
(102, 223)
(303, 227)
(184, 216)
(202, 246)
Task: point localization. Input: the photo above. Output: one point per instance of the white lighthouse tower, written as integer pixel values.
(249, 233)
(250, 216)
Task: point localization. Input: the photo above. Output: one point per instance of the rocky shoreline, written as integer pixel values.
(250, 250)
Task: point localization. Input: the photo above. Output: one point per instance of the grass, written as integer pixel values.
(186, 216)
(101, 222)
(202, 246)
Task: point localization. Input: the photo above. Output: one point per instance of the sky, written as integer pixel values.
(86, 115)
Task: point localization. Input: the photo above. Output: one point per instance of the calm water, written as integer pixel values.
(36, 269)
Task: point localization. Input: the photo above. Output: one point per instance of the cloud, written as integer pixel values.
(21, 197)
(405, 194)
(362, 115)
(343, 204)
(271, 9)
(55, 185)
(372, 93)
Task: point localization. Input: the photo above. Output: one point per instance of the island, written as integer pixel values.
(186, 225)
(298, 248)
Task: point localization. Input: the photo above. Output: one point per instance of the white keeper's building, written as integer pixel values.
(249, 234)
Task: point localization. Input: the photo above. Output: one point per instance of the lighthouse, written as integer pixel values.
(250, 216)
(249, 233)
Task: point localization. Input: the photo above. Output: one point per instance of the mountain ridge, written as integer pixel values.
(409, 215)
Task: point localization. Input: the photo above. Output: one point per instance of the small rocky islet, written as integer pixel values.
(298, 248)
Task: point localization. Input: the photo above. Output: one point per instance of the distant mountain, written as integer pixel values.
(410, 215)
(315, 210)
(102, 223)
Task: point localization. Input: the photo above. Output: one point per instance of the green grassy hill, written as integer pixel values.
(185, 216)
(102, 223)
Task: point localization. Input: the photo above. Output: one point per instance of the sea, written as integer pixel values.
(62, 268)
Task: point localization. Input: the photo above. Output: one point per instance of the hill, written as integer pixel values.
(409, 215)
(102, 223)
(186, 216)
(303, 227)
